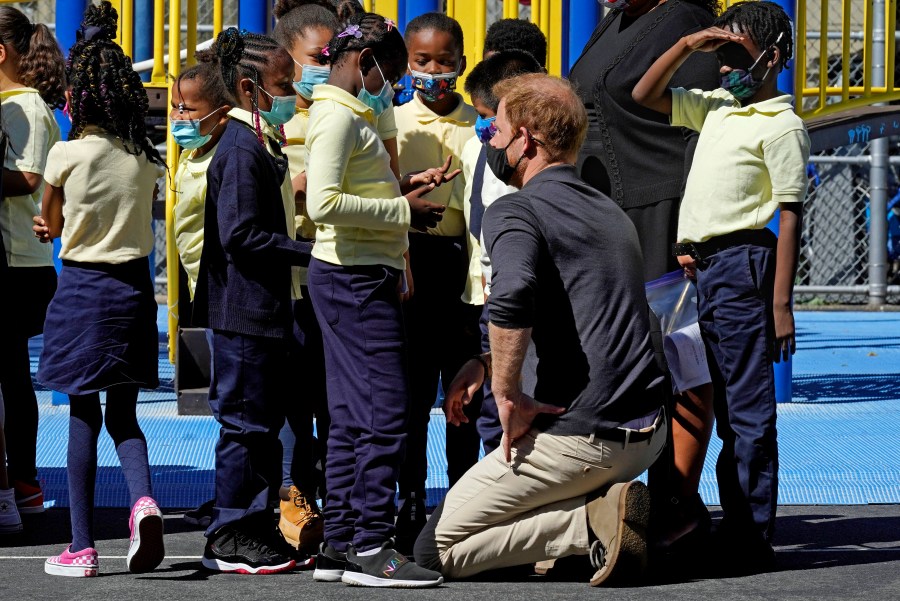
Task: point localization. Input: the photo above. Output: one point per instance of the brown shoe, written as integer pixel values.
(618, 517)
(300, 523)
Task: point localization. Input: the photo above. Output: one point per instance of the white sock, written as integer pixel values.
(368, 553)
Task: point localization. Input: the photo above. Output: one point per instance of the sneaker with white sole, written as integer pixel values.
(10, 520)
(230, 550)
(82, 564)
(387, 569)
(330, 564)
(146, 549)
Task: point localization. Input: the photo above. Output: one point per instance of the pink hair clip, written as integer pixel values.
(351, 30)
(325, 51)
(389, 24)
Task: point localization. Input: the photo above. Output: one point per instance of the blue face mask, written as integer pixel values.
(187, 132)
(485, 128)
(283, 108)
(312, 75)
(377, 102)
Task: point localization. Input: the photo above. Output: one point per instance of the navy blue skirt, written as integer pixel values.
(101, 329)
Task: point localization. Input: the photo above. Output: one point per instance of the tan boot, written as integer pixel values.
(618, 517)
(300, 523)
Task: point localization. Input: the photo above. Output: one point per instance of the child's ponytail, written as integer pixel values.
(41, 65)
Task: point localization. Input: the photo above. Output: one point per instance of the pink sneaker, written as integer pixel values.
(146, 549)
(82, 564)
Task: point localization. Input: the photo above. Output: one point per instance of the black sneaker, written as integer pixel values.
(330, 564)
(387, 568)
(230, 550)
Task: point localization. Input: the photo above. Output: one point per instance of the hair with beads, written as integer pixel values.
(241, 54)
(368, 30)
(41, 63)
(106, 91)
(764, 22)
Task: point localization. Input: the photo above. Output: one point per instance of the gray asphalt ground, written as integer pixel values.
(823, 552)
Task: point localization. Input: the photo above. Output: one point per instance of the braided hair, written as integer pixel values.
(367, 30)
(106, 91)
(41, 64)
(763, 22)
(241, 54)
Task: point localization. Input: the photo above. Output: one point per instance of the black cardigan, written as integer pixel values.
(244, 284)
(642, 159)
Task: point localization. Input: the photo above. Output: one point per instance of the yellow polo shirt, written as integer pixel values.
(351, 192)
(109, 198)
(748, 160)
(287, 190)
(32, 130)
(190, 209)
(294, 149)
(424, 140)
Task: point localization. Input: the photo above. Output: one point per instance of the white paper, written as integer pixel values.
(686, 356)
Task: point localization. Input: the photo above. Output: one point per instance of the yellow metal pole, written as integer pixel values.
(126, 27)
(545, 23)
(158, 75)
(556, 39)
(217, 17)
(868, 26)
(172, 160)
(191, 31)
(389, 9)
(800, 58)
(823, 55)
(845, 50)
(891, 21)
(536, 12)
(510, 9)
(480, 30)
(367, 4)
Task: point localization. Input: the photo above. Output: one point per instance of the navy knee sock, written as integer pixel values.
(131, 446)
(85, 420)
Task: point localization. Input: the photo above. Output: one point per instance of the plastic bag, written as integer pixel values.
(673, 299)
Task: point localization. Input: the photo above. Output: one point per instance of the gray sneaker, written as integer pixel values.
(388, 569)
(10, 521)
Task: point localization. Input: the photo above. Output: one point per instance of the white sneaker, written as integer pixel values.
(10, 521)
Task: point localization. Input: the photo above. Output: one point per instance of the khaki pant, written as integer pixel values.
(500, 515)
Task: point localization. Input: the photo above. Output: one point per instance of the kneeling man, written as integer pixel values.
(577, 389)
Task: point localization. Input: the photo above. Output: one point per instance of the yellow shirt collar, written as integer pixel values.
(771, 106)
(461, 115)
(246, 117)
(16, 91)
(325, 91)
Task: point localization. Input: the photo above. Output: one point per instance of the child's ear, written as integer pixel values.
(3, 54)
(245, 86)
(462, 66)
(774, 56)
(365, 60)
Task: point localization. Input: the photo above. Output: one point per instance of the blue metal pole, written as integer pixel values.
(784, 370)
(410, 9)
(583, 18)
(68, 19)
(143, 33)
(253, 15)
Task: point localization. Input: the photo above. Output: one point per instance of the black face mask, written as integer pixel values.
(496, 160)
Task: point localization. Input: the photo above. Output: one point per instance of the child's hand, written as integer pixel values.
(709, 40)
(435, 175)
(785, 340)
(41, 231)
(424, 214)
(689, 265)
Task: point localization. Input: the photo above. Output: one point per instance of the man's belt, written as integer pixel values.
(703, 250)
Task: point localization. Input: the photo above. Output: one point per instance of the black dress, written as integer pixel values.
(632, 154)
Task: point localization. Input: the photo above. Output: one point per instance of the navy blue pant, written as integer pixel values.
(308, 399)
(246, 395)
(735, 288)
(443, 334)
(365, 360)
(489, 428)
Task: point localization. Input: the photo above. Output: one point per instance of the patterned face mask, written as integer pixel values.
(434, 87)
